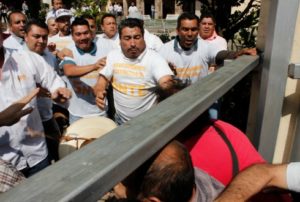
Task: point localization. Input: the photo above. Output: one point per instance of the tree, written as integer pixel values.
(240, 26)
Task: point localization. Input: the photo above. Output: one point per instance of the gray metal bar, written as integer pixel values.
(87, 174)
(294, 71)
(278, 46)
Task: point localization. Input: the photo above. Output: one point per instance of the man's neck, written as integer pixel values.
(62, 34)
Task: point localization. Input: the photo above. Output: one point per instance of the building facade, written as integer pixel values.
(162, 7)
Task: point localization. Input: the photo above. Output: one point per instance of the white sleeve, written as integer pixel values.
(160, 67)
(107, 71)
(157, 43)
(46, 75)
(293, 176)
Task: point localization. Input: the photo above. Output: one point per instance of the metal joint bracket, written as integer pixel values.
(294, 71)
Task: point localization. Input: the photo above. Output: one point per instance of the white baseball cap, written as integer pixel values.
(63, 12)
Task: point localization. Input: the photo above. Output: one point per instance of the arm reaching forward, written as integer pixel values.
(252, 180)
(13, 113)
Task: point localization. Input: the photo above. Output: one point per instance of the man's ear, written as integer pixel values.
(151, 199)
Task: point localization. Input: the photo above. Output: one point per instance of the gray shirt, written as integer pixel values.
(207, 187)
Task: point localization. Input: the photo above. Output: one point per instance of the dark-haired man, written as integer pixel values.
(16, 24)
(190, 57)
(23, 144)
(134, 73)
(110, 30)
(81, 64)
(56, 4)
(36, 38)
(170, 176)
(63, 38)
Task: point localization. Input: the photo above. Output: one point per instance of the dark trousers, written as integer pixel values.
(27, 172)
(53, 136)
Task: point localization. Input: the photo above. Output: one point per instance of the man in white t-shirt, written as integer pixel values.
(253, 179)
(110, 30)
(190, 57)
(81, 66)
(36, 37)
(16, 23)
(132, 8)
(135, 75)
(63, 38)
(23, 144)
(208, 32)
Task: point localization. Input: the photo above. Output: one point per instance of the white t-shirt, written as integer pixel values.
(134, 81)
(60, 41)
(132, 9)
(293, 176)
(44, 104)
(114, 41)
(24, 143)
(153, 42)
(219, 43)
(13, 42)
(191, 65)
(82, 103)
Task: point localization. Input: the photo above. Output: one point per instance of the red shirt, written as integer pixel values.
(210, 153)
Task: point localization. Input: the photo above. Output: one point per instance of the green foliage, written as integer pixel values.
(240, 26)
(165, 38)
(43, 11)
(94, 8)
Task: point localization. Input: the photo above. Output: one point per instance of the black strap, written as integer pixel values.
(235, 161)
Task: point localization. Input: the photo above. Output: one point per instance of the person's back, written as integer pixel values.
(210, 152)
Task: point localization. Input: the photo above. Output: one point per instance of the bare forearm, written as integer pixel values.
(74, 70)
(169, 86)
(253, 180)
(101, 84)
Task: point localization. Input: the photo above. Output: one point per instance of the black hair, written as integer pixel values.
(186, 15)
(106, 15)
(79, 21)
(88, 16)
(207, 15)
(131, 23)
(172, 179)
(14, 12)
(35, 22)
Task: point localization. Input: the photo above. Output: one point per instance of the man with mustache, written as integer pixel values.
(16, 23)
(36, 37)
(81, 63)
(136, 74)
(190, 57)
(63, 38)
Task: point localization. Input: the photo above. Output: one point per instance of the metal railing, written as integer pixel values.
(87, 174)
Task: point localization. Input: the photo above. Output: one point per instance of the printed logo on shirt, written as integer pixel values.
(22, 77)
(130, 89)
(188, 72)
(128, 70)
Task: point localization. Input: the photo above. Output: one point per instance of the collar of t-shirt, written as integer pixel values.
(25, 47)
(92, 52)
(178, 47)
(19, 39)
(136, 60)
(212, 37)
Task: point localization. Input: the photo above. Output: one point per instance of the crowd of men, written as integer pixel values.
(119, 74)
